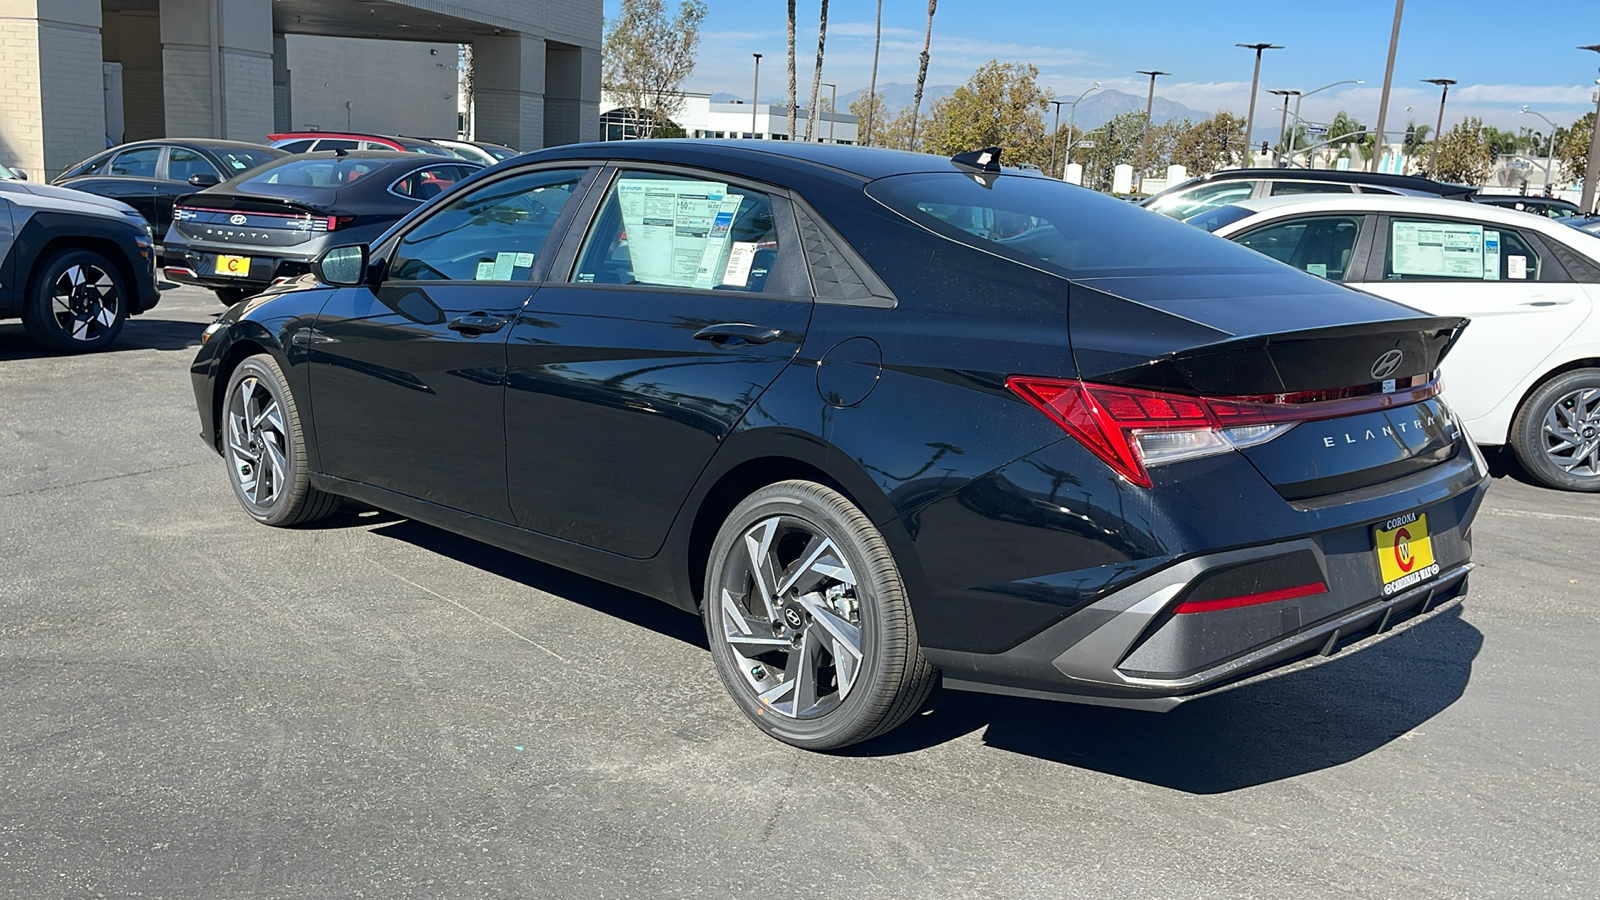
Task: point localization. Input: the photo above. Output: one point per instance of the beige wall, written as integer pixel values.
(392, 87)
(50, 60)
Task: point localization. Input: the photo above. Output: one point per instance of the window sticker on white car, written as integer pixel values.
(1517, 267)
(1318, 269)
(1439, 249)
(1491, 256)
(677, 230)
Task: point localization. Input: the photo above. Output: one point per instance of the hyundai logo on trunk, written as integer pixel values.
(238, 219)
(1387, 364)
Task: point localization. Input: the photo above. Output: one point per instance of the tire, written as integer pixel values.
(264, 447)
(230, 296)
(77, 302)
(827, 663)
(1556, 434)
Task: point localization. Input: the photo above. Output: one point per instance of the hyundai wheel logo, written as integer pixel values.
(1387, 364)
(238, 220)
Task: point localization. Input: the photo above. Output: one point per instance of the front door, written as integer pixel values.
(687, 297)
(408, 377)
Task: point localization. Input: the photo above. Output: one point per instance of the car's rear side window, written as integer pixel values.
(1054, 225)
(296, 146)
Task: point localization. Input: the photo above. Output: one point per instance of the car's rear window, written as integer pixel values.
(1054, 225)
(323, 173)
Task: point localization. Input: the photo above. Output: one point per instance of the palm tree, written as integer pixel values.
(816, 74)
(872, 88)
(792, 97)
(922, 74)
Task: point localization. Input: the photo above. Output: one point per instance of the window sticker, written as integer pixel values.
(1318, 269)
(485, 270)
(677, 230)
(524, 260)
(737, 272)
(1491, 256)
(1439, 249)
(1517, 267)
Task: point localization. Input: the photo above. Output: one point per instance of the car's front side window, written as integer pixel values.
(1321, 245)
(678, 231)
(183, 164)
(138, 163)
(1436, 250)
(494, 232)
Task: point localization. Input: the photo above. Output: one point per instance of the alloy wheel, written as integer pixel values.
(258, 441)
(791, 616)
(84, 302)
(1572, 432)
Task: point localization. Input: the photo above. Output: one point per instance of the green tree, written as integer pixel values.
(1209, 145)
(1114, 143)
(1347, 138)
(1001, 105)
(1464, 154)
(1572, 147)
(868, 107)
(647, 56)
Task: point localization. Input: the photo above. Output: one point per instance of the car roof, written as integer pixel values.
(865, 163)
(1389, 203)
(1332, 176)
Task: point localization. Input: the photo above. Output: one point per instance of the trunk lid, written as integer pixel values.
(247, 221)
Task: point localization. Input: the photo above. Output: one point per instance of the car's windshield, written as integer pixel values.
(1043, 221)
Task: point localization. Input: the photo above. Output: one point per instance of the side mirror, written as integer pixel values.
(17, 174)
(342, 266)
(204, 180)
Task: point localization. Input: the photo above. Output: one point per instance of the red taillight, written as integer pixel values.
(337, 222)
(1289, 593)
(1132, 428)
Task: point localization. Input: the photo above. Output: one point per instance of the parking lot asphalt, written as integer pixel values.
(192, 705)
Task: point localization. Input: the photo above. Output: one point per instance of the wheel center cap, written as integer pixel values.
(794, 616)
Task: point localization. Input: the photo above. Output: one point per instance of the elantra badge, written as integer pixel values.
(1387, 364)
(240, 220)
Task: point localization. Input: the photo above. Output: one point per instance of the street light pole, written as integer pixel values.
(1149, 106)
(1591, 172)
(1072, 125)
(831, 111)
(1255, 84)
(1283, 123)
(755, 96)
(1297, 100)
(1388, 79)
(1055, 134)
(1444, 84)
(1550, 160)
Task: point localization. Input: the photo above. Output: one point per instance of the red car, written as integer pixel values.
(307, 141)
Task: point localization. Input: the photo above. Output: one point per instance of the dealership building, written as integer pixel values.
(82, 75)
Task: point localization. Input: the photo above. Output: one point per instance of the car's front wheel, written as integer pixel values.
(808, 620)
(1556, 435)
(265, 448)
(76, 303)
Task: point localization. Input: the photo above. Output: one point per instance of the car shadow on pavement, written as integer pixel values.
(138, 334)
(616, 602)
(1302, 722)
(1503, 464)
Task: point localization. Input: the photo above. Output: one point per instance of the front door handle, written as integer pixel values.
(735, 332)
(477, 323)
(1547, 301)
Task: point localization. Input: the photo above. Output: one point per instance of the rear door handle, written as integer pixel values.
(1547, 301)
(477, 323)
(731, 332)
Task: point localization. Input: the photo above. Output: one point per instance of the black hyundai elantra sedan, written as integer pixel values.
(877, 417)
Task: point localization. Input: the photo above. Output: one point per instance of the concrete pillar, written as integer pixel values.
(1176, 175)
(1122, 179)
(563, 92)
(508, 89)
(52, 105)
(217, 68)
(1074, 173)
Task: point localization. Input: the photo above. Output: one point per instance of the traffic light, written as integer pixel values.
(1264, 148)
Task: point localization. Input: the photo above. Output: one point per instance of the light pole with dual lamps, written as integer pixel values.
(1283, 122)
(755, 96)
(1255, 84)
(1149, 107)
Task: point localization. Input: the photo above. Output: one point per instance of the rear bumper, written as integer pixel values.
(199, 266)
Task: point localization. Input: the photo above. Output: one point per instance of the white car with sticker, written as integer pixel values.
(1526, 372)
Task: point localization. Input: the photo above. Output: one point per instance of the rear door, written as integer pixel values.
(1521, 302)
(132, 176)
(663, 321)
(408, 378)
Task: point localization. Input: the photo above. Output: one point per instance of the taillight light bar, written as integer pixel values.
(1131, 429)
(1289, 593)
(303, 221)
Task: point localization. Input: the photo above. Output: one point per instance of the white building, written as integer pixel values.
(701, 118)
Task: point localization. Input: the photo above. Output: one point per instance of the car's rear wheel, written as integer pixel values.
(265, 448)
(808, 620)
(77, 302)
(1556, 435)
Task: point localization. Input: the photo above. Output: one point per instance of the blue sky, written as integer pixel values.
(1503, 55)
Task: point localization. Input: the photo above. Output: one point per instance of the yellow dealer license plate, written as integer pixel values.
(233, 265)
(1405, 552)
